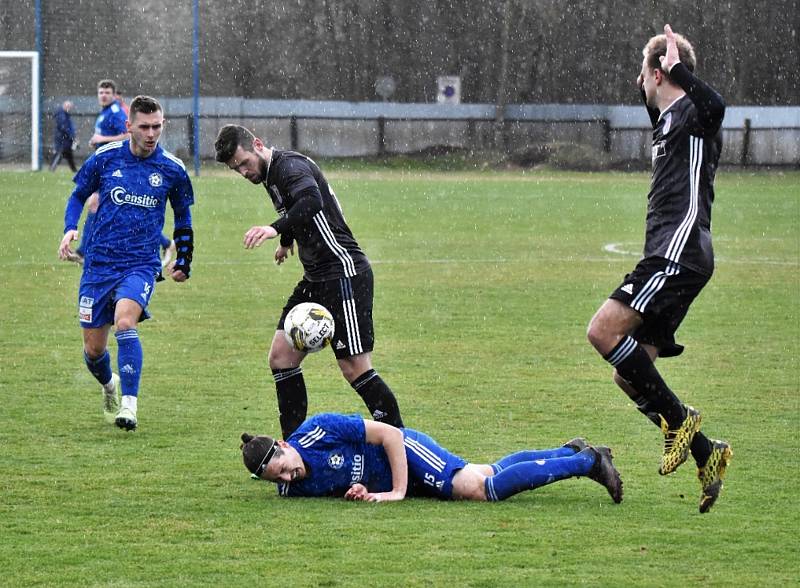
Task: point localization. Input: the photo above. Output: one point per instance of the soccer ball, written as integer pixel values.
(309, 327)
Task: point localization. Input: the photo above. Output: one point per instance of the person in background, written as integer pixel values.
(63, 137)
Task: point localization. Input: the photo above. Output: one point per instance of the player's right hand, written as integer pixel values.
(257, 235)
(65, 253)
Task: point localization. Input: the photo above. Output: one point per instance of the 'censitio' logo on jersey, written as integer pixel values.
(120, 197)
(155, 180)
(357, 472)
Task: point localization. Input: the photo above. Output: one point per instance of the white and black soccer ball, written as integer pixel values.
(309, 327)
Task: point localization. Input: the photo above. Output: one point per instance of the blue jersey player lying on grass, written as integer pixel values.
(347, 456)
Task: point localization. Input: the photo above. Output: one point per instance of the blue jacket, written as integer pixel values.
(64, 133)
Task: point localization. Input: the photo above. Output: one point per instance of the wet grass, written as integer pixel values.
(484, 285)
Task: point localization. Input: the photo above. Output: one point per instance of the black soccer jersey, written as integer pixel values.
(687, 142)
(312, 217)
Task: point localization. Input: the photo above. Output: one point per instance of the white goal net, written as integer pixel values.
(19, 109)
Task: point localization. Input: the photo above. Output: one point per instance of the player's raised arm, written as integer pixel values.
(710, 105)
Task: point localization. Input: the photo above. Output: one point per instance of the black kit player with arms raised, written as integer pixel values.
(337, 273)
(637, 323)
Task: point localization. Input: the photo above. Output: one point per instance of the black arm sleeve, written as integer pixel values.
(710, 105)
(653, 113)
(307, 204)
(184, 243)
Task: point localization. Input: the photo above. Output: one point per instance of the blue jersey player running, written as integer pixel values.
(110, 126)
(135, 178)
(347, 456)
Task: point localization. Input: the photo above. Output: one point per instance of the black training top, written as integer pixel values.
(687, 142)
(311, 216)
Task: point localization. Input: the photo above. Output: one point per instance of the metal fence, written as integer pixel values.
(756, 136)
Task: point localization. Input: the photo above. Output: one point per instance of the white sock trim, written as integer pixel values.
(130, 402)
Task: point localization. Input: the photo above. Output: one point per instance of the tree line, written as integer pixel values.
(505, 51)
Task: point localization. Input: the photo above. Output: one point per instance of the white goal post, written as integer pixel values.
(34, 57)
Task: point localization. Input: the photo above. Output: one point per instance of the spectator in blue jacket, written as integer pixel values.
(63, 137)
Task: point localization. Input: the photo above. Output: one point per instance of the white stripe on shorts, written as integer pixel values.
(424, 454)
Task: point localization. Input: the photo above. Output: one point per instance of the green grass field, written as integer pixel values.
(484, 285)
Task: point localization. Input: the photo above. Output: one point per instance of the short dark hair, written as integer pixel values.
(145, 105)
(229, 138)
(657, 47)
(258, 451)
(107, 84)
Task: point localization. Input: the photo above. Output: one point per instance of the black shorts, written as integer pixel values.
(661, 291)
(350, 302)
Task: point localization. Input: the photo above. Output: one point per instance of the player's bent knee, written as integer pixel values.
(352, 367)
(94, 351)
(282, 355)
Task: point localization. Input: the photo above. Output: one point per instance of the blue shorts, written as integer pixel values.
(430, 466)
(98, 294)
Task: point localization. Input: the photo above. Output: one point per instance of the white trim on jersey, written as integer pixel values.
(108, 147)
(424, 454)
(653, 285)
(311, 437)
(330, 240)
(170, 156)
(681, 235)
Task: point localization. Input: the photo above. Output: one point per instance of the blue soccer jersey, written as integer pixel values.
(111, 121)
(337, 455)
(133, 195)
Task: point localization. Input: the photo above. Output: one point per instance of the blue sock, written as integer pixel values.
(129, 360)
(100, 367)
(528, 475)
(530, 455)
(87, 229)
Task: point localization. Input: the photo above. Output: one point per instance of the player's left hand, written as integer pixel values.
(257, 235)
(176, 275)
(357, 492)
(282, 253)
(672, 57)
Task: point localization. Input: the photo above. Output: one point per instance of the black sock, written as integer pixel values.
(646, 408)
(378, 397)
(635, 366)
(701, 449)
(292, 398)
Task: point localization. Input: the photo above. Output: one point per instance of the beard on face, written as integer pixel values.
(262, 168)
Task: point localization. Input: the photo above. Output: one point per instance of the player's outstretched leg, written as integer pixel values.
(594, 463)
(712, 473)
(129, 360)
(290, 386)
(532, 455)
(100, 368)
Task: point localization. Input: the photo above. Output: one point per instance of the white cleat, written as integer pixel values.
(111, 398)
(126, 419)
